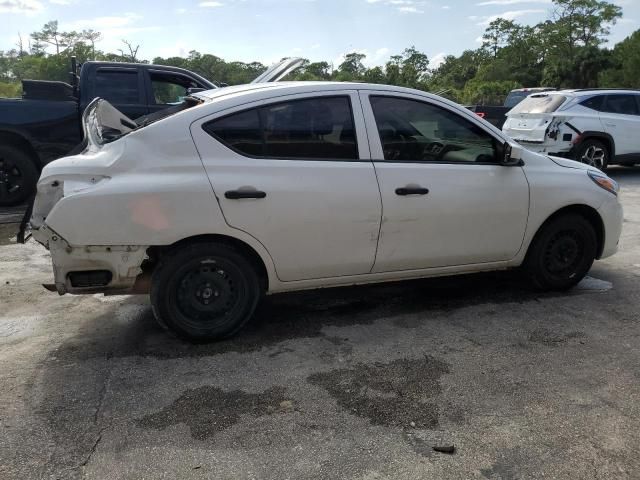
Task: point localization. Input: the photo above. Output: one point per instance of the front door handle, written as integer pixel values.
(610, 124)
(238, 194)
(403, 191)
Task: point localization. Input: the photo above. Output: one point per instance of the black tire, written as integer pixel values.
(204, 292)
(18, 176)
(593, 152)
(561, 253)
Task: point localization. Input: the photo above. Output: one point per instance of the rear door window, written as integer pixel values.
(118, 86)
(314, 128)
(539, 103)
(623, 104)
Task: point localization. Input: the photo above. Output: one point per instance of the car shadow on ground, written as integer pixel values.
(129, 329)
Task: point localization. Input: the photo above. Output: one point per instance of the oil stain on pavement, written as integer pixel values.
(208, 410)
(396, 394)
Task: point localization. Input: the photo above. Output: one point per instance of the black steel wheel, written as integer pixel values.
(593, 152)
(561, 253)
(18, 176)
(204, 292)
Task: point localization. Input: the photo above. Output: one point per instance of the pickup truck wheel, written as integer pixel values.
(204, 292)
(18, 176)
(561, 253)
(594, 153)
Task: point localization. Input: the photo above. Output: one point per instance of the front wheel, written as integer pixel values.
(594, 153)
(204, 292)
(561, 253)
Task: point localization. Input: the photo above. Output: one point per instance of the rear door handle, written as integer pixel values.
(238, 194)
(411, 191)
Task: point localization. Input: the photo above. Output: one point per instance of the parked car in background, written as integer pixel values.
(45, 123)
(594, 126)
(279, 187)
(496, 114)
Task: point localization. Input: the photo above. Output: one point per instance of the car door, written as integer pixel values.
(621, 120)
(446, 200)
(296, 174)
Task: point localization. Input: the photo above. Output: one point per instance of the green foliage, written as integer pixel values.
(625, 64)
(565, 51)
(10, 90)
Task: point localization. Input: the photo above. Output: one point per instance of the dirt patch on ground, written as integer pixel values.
(402, 393)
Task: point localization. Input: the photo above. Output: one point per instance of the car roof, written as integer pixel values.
(586, 92)
(273, 89)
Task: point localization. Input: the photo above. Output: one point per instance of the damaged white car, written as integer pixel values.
(276, 187)
(593, 126)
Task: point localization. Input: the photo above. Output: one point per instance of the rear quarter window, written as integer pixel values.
(594, 103)
(540, 103)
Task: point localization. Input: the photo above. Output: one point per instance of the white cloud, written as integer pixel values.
(21, 6)
(181, 11)
(402, 6)
(446, 7)
(511, 2)
(510, 15)
(410, 9)
(60, 2)
(113, 29)
(210, 4)
(437, 60)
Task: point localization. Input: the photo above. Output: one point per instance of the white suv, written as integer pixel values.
(596, 127)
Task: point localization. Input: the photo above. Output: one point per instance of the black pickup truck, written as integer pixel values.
(45, 123)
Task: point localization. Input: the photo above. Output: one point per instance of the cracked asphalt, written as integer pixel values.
(355, 383)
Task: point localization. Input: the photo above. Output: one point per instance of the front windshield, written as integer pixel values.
(539, 103)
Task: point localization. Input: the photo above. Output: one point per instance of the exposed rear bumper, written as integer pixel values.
(75, 267)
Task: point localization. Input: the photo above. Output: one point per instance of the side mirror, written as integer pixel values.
(510, 155)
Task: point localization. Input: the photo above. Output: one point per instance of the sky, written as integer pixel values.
(267, 30)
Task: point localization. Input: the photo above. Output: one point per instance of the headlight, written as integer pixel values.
(603, 181)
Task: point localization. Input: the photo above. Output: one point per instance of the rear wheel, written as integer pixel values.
(18, 176)
(593, 152)
(561, 253)
(204, 292)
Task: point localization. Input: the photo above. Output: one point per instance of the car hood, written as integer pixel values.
(280, 70)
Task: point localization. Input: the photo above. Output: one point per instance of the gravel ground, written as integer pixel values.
(356, 383)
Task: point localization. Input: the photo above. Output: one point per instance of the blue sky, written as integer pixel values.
(267, 30)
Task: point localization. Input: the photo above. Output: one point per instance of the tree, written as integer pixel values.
(51, 35)
(497, 35)
(132, 54)
(92, 37)
(352, 67)
(624, 68)
(583, 23)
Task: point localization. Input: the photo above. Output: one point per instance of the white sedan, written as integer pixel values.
(290, 186)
